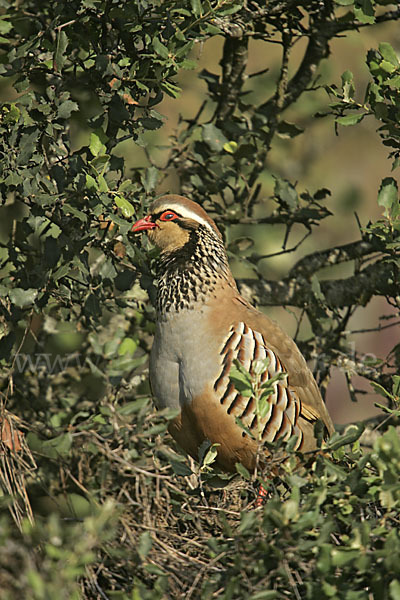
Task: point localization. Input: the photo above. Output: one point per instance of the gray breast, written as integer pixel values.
(183, 359)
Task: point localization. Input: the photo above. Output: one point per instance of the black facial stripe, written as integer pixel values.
(184, 222)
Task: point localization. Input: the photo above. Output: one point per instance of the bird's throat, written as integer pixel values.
(189, 276)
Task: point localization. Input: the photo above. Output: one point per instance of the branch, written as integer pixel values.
(378, 279)
(233, 62)
(322, 30)
(308, 265)
(390, 15)
(320, 34)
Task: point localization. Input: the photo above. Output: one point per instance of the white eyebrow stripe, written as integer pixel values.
(187, 214)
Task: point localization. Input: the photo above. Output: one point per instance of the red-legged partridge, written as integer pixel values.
(203, 326)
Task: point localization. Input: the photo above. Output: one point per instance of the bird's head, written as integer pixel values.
(171, 221)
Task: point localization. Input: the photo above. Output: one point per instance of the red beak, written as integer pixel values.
(143, 224)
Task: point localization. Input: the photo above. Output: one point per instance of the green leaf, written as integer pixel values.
(259, 366)
(13, 179)
(209, 456)
(23, 298)
(394, 413)
(387, 66)
(241, 383)
(240, 424)
(160, 48)
(292, 443)
(213, 137)
(394, 589)
(288, 130)
(59, 446)
(124, 280)
(170, 413)
(184, 50)
(151, 123)
(344, 556)
(53, 448)
(98, 139)
(270, 384)
(150, 179)
(27, 147)
(395, 82)
(364, 11)
(95, 369)
(389, 54)
(91, 183)
(133, 407)
(212, 29)
(263, 406)
(99, 163)
(153, 570)
(242, 471)
(66, 108)
(61, 271)
(127, 346)
(196, 8)
(180, 468)
(344, 2)
(11, 113)
(92, 306)
(388, 197)
(5, 25)
(154, 430)
(286, 193)
(145, 544)
(229, 10)
(61, 46)
(347, 77)
(188, 64)
(380, 389)
(171, 89)
(230, 147)
(352, 119)
(351, 435)
(127, 209)
(247, 520)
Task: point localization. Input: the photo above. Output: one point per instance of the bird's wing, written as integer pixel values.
(295, 402)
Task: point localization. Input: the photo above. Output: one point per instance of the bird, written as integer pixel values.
(203, 327)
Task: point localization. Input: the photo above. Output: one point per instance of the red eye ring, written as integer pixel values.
(168, 215)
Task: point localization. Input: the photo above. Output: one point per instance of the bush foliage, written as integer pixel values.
(98, 502)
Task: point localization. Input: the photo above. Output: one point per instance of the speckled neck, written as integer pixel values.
(189, 275)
